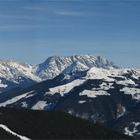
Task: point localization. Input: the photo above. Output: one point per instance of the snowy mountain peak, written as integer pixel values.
(14, 74)
(76, 66)
(55, 65)
(13, 70)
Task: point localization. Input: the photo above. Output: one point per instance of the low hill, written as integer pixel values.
(52, 125)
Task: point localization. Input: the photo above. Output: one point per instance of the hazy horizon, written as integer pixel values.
(33, 30)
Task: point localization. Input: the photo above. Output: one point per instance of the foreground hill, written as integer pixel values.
(4, 135)
(52, 125)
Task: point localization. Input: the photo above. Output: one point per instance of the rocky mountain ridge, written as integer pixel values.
(14, 74)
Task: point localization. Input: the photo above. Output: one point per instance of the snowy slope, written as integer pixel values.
(124, 77)
(102, 82)
(63, 89)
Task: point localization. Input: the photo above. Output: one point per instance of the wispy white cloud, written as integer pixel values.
(69, 13)
(17, 17)
(20, 27)
(27, 27)
(35, 8)
(9, 0)
(54, 10)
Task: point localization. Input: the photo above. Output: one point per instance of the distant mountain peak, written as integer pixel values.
(76, 66)
(55, 65)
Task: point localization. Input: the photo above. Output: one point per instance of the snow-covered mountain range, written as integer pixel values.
(55, 65)
(98, 94)
(14, 74)
(84, 86)
(92, 83)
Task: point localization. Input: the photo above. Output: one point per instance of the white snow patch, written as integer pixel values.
(99, 73)
(24, 104)
(3, 85)
(29, 94)
(81, 102)
(66, 77)
(13, 133)
(71, 111)
(67, 87)
(126, 82)
(40, 105)
(106, 86)
(127, 131)
(136, 124)
(131, 133)
(76, 66)
(48, 93)
(108, 74)
(135, 92)
(93, 94)
(14, 99)
(121, 111)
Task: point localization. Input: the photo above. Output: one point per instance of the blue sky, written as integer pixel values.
(32, 30)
